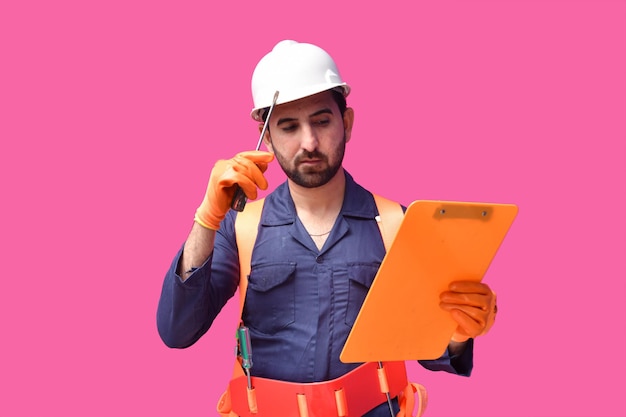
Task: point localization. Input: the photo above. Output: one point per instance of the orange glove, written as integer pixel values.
(473, 307)
(246, 170)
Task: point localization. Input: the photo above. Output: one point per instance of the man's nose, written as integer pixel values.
(309, 140)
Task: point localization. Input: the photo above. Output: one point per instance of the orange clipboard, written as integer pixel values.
(438, 242)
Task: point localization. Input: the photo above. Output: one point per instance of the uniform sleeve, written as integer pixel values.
(187, 308)
(457, 364)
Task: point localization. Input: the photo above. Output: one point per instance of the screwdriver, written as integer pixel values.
(245, 349)
(239, 199)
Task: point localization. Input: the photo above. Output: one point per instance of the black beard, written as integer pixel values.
(317, 178)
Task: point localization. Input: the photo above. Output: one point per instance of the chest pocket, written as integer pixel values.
(270, 298)
(360, 278)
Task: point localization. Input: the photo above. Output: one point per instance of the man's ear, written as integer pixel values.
(348, 122)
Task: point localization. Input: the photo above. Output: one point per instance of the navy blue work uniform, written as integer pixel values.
(301, 302)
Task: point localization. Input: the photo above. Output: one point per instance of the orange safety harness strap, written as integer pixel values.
(246, 230)
(273, 392)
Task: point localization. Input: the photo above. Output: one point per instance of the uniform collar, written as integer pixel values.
(357, 202)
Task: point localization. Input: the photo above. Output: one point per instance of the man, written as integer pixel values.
(318, 246)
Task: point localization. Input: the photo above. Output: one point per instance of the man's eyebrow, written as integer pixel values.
(285, 120)
(292, 119)
(322, 111)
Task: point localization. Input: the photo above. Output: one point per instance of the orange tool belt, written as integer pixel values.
(353, 394)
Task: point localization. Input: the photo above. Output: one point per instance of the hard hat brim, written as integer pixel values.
(294, 95)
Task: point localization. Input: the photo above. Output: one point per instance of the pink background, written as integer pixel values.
(113, 112)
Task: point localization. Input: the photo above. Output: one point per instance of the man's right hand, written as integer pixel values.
(244, 170)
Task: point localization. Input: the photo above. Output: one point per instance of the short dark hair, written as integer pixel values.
(338, 96)
(340, 99)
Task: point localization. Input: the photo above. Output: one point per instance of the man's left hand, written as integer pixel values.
(472, 305)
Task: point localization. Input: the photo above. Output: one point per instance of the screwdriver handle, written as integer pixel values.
(245, 349)
(239, 199)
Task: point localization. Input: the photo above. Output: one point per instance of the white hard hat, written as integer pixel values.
(295, 70)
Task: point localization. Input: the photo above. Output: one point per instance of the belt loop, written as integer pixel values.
(302, 406)
(342, 405)
(382, 379)
(252, 400)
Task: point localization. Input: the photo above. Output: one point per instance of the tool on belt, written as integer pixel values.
(244, 353)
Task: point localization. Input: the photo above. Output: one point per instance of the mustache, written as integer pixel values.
(310, 155)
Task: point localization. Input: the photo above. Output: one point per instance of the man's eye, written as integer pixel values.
(322, 122)
(289, 128)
